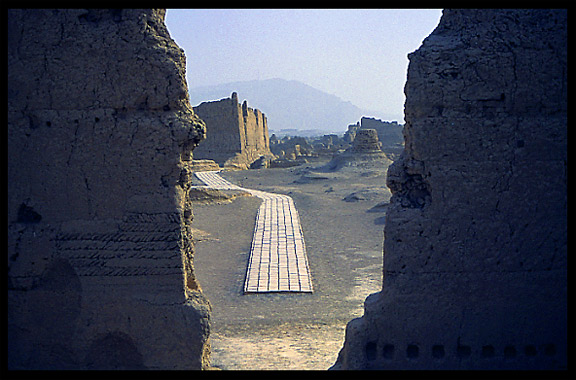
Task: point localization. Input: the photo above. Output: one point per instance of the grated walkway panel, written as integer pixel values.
(278, 260)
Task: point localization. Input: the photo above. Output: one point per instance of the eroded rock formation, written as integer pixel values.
(475, 237)
(100, 272)
(236, 135)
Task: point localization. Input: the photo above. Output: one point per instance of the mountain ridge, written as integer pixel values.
(288, 104)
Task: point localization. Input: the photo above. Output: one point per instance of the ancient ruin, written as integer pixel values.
(389, 143)
(389, 134)
(100, 252)
(236, 135)
(475, 255)
(366, 142)
(365, 152)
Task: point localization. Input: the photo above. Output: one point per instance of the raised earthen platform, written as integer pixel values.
(278, 261)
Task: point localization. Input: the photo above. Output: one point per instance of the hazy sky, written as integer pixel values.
(359, 55)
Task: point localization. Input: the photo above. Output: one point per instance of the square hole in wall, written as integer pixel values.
(412, 351)
(509, 352)
(488, 351)
(388, 351)
(438, 351)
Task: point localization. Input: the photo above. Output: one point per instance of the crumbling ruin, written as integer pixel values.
(364, 152)
(475, 255)
(236, 135)
(389, 134)
(100, 252)
(366, 141)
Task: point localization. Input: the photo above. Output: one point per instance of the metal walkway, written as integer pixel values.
(278, 261)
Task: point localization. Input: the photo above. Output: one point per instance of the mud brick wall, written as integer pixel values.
(100, 254)
(236, 135)
(475, 249)
(255, 123)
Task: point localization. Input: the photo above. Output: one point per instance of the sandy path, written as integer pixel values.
(285, 347)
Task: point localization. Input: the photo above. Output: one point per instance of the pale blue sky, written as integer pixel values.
(359, 55)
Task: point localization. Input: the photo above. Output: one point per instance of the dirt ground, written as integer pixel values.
(343, 231)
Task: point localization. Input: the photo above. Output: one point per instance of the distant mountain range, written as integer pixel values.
(288, 104)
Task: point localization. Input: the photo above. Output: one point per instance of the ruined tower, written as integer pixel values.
(236, 135)
(389, 134)
(100, 271)
(365, 152)
(475, 255)
(366, 141)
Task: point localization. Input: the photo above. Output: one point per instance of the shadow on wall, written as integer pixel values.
(475, 250)
(100, 272)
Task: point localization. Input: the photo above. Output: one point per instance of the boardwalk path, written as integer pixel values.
(278, 261)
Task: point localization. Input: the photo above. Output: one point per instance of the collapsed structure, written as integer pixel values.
(100, 252)
(475, 249)
(236, 135)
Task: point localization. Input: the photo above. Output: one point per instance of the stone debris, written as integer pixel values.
(278, 260)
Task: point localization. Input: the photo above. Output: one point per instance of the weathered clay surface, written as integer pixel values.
(475, 238)
(100, 272)
(236, 135)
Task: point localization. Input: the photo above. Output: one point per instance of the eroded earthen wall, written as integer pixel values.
(236, 135)
(475, 238)
(256, 131)
(223, 138)
(100, 272)
(389, 133)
